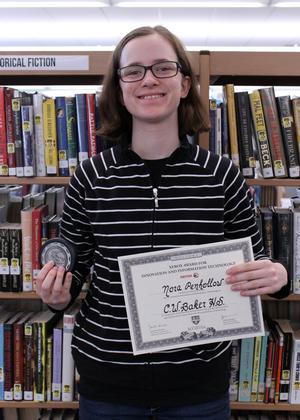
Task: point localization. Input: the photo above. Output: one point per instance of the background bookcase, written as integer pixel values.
(240, 68)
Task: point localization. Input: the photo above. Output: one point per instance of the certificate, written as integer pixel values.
(178, 297)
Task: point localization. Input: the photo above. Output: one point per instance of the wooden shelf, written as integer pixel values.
(264, 407)
(33, 404)
(274, 182)
(45, 180)
(27, 295)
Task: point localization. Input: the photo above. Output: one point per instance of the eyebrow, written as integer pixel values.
(159, 60)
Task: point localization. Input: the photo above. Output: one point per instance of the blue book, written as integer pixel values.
(28, 139)
(81, 113)
(262, 366)
(246, 368)
(3, 317)
(62, 138)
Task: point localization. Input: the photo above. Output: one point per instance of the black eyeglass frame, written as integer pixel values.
(178, 68)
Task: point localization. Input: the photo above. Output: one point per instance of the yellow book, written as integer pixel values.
(233, 136)
(49, 121)
(296, 111)
(256, 363)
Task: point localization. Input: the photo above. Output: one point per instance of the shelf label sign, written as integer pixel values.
(44, 62)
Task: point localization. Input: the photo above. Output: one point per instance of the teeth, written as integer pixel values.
(152, 96)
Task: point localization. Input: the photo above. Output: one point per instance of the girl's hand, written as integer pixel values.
(53, 286)
(256, 277)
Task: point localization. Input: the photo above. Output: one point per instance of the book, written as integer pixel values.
(287, 331)
(42, 327)
(296, 249)
(262, 365)
(10, 134)
(26, 225)
(256, 366)
(91, 124)
(57, 361)
(3, 139)
(49, 361)
(294, 394)
(62, 138)
(4, 316)
(246, 368)
(38, 213)
(49, 120)
(289, 135)
(244, 131)
(28, 136)
(269, 365)
(296, 115)
(9, 356)
(5, 283)
(15, 254)
(274, 131)
(234, 370)
(261, 135)
(81, 118)
(17, 125)
(280, 349)
(228, 93)
(38, 99)
(68, 371)
(72, 135)
(266, 217)
(18, 356)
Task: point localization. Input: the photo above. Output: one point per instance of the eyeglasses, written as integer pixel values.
(161, 70)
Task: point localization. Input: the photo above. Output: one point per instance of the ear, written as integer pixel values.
(185, 86)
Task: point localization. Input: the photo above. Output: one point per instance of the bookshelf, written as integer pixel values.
(256, 69)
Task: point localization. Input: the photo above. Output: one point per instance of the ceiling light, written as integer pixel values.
(52, 4)
(283, 3)
(184, 4)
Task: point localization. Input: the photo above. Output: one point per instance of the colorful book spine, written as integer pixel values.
(50, 137)
(37, 215)
(81, 114)
(49, 362)
(10, 134)
(262, 366)
(4, 315)
(57, 363)
(234, 370)
(28, 140)
(294, 395)
(39, 134)
(5, 283)
(261, 136)
(62, 138)
(256, 365)
(91, 124)
(246, 368)
(72, 135)
(296, 250)
(28, 360)
(15, 244)
(17, 124)
(233, 136)
(3, 139)
(26, 224)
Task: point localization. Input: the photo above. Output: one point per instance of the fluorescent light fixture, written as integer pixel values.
(283, 3)
(194, 3)
(52, 4)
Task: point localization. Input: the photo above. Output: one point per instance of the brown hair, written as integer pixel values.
(116, 121)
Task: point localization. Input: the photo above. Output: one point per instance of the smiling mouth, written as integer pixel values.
(157, 96)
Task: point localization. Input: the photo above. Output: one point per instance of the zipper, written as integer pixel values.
(155, 196)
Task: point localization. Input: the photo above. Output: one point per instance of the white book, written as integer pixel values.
(68, 368)
(294, 394)
(39, 134)
(296, 249)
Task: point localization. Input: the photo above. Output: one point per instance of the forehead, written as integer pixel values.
(146, 50)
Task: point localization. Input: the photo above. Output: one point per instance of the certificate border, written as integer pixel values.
(128, 262)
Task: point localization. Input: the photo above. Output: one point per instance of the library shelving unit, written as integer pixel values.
(96, 63)
(257, 69)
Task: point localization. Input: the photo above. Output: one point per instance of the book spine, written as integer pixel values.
(62, 140)
(91, 124)
(39, 134)
(5, 283)
(256, 363)
(262, 368)
(269, 364)
(28, 140)
(233, 137)
(10, 135)
(15, 242)
(8, 362)
(81, 115)
(289, 135)
(72, 134)
(26, 223)
(3, 139)
(67, 359)
(18, 361)
(16, 111)
(225, 133)
(49, 122)
(296, 250)
(234, 370)
(296, 114)
(28, 361)
(213, 123)
(294, 397)
(57, 364)
(39, 393)
(48, 372)
(246, 364)
(274, 132)
(261, 136)
(1, 362)
(285, 379)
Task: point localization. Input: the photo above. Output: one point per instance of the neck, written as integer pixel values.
(154, 142)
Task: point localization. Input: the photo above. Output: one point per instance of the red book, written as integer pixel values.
(37, 216)
(10, 132)
(3, 140)
(91, 124)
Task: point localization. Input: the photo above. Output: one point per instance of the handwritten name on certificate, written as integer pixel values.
(178, 297)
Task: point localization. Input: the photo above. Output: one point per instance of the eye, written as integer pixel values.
(132, 71)
(165, 67)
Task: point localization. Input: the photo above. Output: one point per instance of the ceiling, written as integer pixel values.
(102, 27)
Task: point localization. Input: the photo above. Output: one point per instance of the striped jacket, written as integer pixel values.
(112, 209)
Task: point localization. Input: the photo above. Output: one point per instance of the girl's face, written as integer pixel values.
(152, 100)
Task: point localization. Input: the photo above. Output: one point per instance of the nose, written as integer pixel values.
(149, 78)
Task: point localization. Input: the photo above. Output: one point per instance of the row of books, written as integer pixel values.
(280, 230)
(270, 415)
(35, 355)
(267, 368)
(257, 129)
(21, 241)
(42, 136)
(13, 413)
